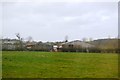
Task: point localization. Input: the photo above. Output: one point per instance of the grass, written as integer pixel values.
(58, 65)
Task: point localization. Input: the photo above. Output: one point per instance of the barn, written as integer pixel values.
(77, 46)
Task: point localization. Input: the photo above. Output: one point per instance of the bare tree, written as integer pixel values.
(18, 35)
(30, 39)
(90, 39)
(20, 40)
(84, 39)
(66, 38)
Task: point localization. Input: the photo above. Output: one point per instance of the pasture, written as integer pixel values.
(29, 64)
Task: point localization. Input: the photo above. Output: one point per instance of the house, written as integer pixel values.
(57, 48)
(39, 46)
(30, 45)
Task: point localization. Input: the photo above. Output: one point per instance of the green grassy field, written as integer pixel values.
(58, 65)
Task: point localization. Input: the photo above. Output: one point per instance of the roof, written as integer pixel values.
(9, 41)
(81, 43)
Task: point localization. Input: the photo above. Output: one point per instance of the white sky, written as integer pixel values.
(52, 20)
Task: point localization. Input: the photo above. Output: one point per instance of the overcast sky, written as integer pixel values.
(52, 21)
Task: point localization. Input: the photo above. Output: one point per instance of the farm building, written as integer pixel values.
(39, 46)
(10, 44)
(57, 48)
(30, 45)
(77, 46)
